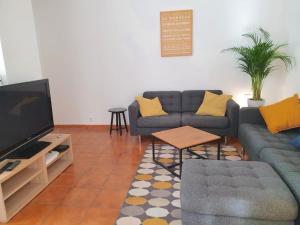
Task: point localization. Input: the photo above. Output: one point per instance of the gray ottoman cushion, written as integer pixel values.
(247, 190)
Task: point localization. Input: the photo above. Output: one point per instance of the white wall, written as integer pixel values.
(100, 54)
(3, 78)
(18, 37)
(292, 84)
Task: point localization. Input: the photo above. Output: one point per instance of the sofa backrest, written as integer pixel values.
(191, 100)
(170, 100)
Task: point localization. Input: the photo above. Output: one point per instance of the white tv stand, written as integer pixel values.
(19, 186)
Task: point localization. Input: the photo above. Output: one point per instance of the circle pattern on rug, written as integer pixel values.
(167, 151)
(176, 213)
(132, 210)
(139, 192)
(154, 195)
(162, 185)
(176, 194)
(166, 161)
(176, 185)
(160, 193)
(155, 221)
(176, 203)
(163, 178)
(145, 171)
(175, 222)
(135, 201)
(159, 202)
(147, 160)
(147, 165)
(157, 212)
(141, 184)
(128, 221)
(144, 177)
(166, 156)
(162, 172)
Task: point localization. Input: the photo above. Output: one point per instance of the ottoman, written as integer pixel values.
(234, 193)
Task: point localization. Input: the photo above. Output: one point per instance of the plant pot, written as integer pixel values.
(255, 103)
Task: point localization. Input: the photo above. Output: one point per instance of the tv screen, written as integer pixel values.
(25, 114)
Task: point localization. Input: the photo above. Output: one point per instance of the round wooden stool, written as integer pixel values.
(118, 112)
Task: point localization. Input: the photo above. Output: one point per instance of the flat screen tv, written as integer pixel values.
(25, 116)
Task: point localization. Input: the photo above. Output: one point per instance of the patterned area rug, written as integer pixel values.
(154, 195)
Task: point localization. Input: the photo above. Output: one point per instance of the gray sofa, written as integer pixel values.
(181, 108)
(274, 149)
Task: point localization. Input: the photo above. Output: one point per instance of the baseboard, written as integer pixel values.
(80, 125)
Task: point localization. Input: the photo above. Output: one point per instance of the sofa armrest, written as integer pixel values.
(232, 113)
(134, 114)
(251, 115)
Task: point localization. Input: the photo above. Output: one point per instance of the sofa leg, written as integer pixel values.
(225, 140)
(140, 143)
(243, 154)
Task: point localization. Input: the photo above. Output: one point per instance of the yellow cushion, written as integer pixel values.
(283, 115)
(213, 105)
(150, 107)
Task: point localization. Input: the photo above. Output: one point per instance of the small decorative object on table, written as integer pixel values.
(118, 112)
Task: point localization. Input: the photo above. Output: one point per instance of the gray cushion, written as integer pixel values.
(197, 219)
(255, 137)
(166, 121)
(170, 100)
(191, 119)
(236, 189)
(287, 164)
(191, 100)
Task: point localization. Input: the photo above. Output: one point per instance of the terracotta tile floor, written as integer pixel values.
(91, 191)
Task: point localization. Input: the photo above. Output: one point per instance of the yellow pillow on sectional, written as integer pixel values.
(213, 104)
(283, 115)
(150, 107)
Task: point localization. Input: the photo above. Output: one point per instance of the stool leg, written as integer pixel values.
(125, 121)
(117, 123)
(111, 122)
(120, 123)
(225, 140)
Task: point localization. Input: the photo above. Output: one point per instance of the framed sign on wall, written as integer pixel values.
(176, 33)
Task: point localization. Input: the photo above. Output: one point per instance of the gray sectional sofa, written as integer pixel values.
(274, 149)
(181, 108)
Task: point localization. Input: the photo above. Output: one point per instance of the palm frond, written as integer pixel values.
(253, 36)
(258, 59)
(265, 33)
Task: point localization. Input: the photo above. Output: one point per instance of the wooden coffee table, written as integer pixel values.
(184, 138)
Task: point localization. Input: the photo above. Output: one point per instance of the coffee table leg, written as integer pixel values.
(153, 148)
(180, 161)
(219, 150)
(168, 168)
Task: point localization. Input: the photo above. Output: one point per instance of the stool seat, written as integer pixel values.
(116, 110)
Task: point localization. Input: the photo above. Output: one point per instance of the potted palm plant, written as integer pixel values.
(257, 60)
